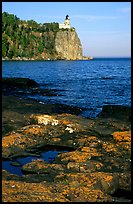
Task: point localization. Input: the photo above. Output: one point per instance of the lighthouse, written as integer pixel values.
(66, 23)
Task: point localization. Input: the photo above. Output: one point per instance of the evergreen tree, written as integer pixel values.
(26, 38)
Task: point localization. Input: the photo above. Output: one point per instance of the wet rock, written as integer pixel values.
(39, 166)
(125, 180)
(109, 186)
(37, 178)
(62, 108)
(15, 163)
(18, 82)
(116, 111)
(121, 195)
(85, 167)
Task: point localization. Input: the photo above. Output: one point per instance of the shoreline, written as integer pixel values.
(95, 167)
(23, 108)
(85, 59)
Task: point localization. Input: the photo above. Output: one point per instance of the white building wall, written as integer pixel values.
(61, 25)
(64, 25)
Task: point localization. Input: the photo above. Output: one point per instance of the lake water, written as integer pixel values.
(87, 84)
(48, 154)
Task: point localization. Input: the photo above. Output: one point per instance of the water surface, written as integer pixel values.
(87, 84)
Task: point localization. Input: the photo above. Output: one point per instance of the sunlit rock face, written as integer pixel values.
(68, 45)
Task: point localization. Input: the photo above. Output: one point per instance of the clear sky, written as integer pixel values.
(104, 28)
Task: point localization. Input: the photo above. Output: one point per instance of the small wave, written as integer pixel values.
(107, 78)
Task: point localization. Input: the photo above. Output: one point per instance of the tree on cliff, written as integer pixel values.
(26, 38)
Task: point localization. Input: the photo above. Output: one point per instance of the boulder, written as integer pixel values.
(18, 82)
(116, 111)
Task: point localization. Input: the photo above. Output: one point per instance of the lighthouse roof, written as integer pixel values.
(67, 16)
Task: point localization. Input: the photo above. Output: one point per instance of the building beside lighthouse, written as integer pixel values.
(66, 23)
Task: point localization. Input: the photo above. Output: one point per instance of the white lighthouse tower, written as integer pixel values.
(66, 23)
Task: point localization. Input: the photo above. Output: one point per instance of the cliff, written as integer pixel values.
(28, 40)
(68, 45)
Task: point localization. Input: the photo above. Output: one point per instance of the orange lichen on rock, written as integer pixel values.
(17, 191)
(74, 121)
(14, 140)
(84, 194)
(77, 175)
(56, 139)
(81, 188)
(65, 122)
(34, 130)
(122, 136)
(91, 151)
(75, 156)
(92, 138)
(10, 139)
(91, 141)
(84, 167)
(109, 147)
(40, 166)
(109, 182)
(82, 141)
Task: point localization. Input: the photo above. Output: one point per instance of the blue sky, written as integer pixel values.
(104, 28)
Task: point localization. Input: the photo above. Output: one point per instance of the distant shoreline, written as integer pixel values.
(95, 58)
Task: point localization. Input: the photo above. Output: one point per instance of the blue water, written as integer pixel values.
(86, 84)
(48, 156)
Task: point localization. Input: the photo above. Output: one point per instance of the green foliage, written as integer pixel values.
(26, 38)
(40, 47)
(5, 45)
(10, 53)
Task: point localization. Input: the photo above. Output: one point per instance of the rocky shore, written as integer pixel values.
(95, 168)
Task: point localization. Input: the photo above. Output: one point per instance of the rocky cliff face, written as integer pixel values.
(37, 42)
(64, 44)
(68, 45)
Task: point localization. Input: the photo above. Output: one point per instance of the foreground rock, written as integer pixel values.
(17, 111)
(96, 169)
